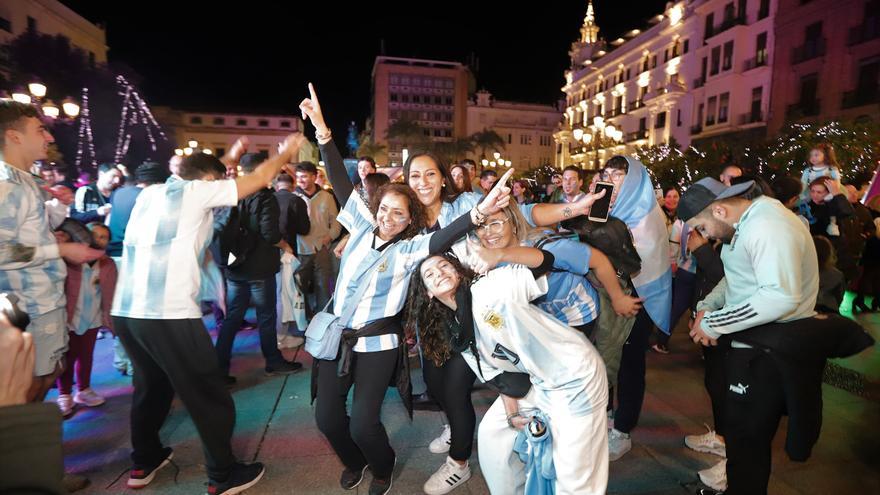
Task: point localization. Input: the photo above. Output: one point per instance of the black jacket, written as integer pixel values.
(259, 215)
(838, 207)
(293, 218)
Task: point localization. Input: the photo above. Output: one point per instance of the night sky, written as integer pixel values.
(258, 56)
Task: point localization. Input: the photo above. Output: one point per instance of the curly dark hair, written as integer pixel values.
(416, 209)
(431, 317)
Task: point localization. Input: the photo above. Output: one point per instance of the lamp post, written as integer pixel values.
(35, 94)
(605, 136)
(192, 146)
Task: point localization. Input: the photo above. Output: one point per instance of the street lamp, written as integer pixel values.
(35, 93)
(50, 109)
(192, 147)
(37, 89)
(578, 134)
(20, 96)
(70, 107)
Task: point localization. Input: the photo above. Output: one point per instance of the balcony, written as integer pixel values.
(860, 97)
(867, 31)
(728, 23)
(811, 49)
(751, 118)
(635, 136)
(699, 82)
(635, 105)
(802, 109)
(617, 111)
(754, 63)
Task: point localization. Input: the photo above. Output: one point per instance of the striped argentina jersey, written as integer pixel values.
(170, 228)
(38, 280)
(515, 336)
(570, 297)
(87, 313)
(387, 283)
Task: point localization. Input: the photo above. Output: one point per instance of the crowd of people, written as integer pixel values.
(482, 278)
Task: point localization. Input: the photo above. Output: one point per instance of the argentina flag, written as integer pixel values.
(637, 206)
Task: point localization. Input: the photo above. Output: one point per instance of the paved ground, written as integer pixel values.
(275, 425)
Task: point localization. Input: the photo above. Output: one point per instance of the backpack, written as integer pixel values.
(613, 238)
(235, 238)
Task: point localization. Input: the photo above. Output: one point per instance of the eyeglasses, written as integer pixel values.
(493, 227)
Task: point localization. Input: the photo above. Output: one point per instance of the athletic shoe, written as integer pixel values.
(141, 475)
(351, 478)
(65, 404)
(619, 443)
(716, 476)
(447, 478)
(88, 398)
(707, 442)
(440, 445)
(242, 477)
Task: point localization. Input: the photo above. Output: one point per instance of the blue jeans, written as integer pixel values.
(238, 296)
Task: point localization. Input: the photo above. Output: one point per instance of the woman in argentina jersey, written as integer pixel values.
(372, 354)
(511, 336)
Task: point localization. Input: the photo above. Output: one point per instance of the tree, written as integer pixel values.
(667, 164)
(454, 150)
(408, 133)
(487, 140)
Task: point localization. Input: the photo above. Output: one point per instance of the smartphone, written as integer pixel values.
(600, 209)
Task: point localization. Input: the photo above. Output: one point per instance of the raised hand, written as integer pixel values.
(498, 198)
(482, 260)
(291, 145)
(311, 110)
(582, 206)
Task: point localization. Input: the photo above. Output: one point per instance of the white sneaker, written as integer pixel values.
(65, 403)
(88, 397)
(449, 476)
(619, 443)
(290, 342)
(716, 476)
(707, 442)
(440, 445)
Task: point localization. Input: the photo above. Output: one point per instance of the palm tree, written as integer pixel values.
(487, 140)
(369, 148)
(407, 133)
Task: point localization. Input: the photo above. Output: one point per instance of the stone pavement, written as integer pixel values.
(275, 425)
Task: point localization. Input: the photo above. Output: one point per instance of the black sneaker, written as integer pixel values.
(242, 477)
(351, 478)
(141, 476)
(287, 368)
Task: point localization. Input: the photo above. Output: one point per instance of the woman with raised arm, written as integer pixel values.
(383, 250)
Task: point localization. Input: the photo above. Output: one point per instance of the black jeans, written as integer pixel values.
(755, 403)
(177, 356)
(716, 384)
(450, 384)
(631, 377)
(238, 296)
(359, 439)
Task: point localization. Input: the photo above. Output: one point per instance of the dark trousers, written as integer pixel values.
(751, 418)
(631, 377)
(450, 384)
(317, 276)
(359, 439)
(80, 355)
(716, 384)
(176, 356)
(683, 286)
(238, 296)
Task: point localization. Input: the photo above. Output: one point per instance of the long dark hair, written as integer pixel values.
(416, 208)
(465, 175)
(448, 193)
(434, 319)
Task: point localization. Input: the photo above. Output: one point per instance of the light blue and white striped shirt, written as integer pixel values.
(570, 297)
(387, 283)
(87, 314)
(39, 280)
(170, 228)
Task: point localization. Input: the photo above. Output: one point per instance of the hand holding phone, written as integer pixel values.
(601, 207)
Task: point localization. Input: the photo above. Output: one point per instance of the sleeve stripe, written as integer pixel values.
(732, 313)
(738, 320)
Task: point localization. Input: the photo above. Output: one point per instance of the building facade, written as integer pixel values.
(828, 61)
(433, 94)
(217, 131)
(526, 128)
(701, 69)
(53, 18)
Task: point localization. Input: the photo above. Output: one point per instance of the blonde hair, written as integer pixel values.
(521, 228)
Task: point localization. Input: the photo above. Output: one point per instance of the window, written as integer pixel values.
(869, 75)
(627, 74)
(263, 123)
(687, 45)
(764, 9)
(404, 80)
(654, 62)
(741, 10)
(643, 123)
(448, 100)
(666, 55)
(416, 98)
(700, 116)
(755, 114)
(449, 84)
(393, 97)
(509, 138)
(438, 100)
(285, 124)
(710, 26)
(660, 123)
(761, 50)
(716, 60)
(219, 121)
(404, 98)
(703, 69)
(195, 120)
(727, 60)
(447, 133)
(728, 12)
(241, 122)
(5, 25)
(809, 87)
(416, 81)
(678, 118)
(31, 24)
(710, 112)
(723, 105)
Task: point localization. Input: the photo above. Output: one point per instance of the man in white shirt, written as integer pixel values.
(314, 248)
(157, 317)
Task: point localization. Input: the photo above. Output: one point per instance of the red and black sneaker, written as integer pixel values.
(141, 476)
(242, 477)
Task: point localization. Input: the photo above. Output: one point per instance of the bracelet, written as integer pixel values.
(323, 137)
(477, 217)
(510, 417)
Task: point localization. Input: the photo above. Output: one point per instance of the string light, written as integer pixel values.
(85, 142)
(135, 111)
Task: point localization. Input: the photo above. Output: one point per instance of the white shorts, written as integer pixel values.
(49, 331)
(580, 450)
